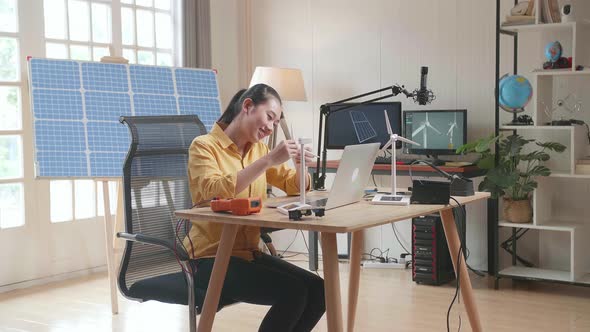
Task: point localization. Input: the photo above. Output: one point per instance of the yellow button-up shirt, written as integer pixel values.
(213, 165)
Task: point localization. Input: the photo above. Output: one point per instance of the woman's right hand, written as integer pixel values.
(286, 150)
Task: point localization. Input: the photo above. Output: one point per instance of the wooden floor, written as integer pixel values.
(388, 301)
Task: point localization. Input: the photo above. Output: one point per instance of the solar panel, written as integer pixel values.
(77, 105)
(362, 127)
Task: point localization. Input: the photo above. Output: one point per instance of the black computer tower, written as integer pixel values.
(431, 261)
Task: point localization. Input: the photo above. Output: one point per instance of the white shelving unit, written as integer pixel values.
(561, 202)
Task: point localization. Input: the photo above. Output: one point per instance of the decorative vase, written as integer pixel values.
(519, 211)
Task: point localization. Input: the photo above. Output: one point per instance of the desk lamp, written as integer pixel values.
(393, 198)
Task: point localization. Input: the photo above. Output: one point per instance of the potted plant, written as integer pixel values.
(513, 177)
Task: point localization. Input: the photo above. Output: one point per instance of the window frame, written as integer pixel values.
(19, 84)
(117, 44)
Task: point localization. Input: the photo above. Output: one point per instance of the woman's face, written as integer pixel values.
(261, 119)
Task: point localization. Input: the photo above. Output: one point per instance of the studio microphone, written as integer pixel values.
(423, 96)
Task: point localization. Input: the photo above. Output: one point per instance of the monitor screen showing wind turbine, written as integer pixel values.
(439, 132)
(362, 123)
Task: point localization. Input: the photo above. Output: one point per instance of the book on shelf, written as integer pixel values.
(513, 23)
(520, 18)
(544, 11)
(583, 161)
(458, 163)
(554, 11)
(582, 168)
(530, 11)
(550, 11)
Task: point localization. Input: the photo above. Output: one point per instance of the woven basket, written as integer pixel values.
(519, 211)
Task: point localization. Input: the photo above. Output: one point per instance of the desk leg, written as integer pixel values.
(454, 243)
(313, 250)
(356, 250)
(331, 282)
(228, 236)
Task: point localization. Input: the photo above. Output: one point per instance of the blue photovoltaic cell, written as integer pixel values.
(156, 80)
(58, 104)
(60, 74)
(208, 109)
(107, 164)
(63, 164)
(77, 105)
(105, 77)
(107, 106)
(154, 104)
(362, 126)
(59, 136)
(196, 83)
(107, 137)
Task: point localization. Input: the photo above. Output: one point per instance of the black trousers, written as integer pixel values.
(296, 296)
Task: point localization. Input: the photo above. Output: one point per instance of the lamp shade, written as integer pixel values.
(287, 81)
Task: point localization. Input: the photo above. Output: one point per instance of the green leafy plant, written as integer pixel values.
(514, 175)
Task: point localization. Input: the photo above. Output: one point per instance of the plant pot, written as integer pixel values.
(519, 211)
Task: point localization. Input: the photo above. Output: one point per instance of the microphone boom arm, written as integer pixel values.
(325, 111)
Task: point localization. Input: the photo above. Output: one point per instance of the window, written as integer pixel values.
(147, 31)
(84, 30)
(12, 205)
(77, 29)
(11, 135)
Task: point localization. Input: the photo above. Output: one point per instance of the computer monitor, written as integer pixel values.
(439, 132)
(361, 124)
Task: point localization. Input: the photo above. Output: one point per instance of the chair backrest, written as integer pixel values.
(155, 184)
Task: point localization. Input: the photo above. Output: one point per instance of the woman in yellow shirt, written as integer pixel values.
(231, 161)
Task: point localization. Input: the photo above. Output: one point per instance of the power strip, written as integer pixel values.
(378, 265)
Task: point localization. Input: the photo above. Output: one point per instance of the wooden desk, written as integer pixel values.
(402, 170)
(354, 218)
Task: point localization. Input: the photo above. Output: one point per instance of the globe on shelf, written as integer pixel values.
(515, 92)
(553, 51)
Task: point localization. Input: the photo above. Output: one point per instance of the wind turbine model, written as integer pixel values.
(451, 131)
(423, 128)
(301, 205)
(393, 198)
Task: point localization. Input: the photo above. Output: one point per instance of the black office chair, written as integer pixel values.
(155, 184)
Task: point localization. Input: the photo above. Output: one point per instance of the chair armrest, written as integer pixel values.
(145, 239)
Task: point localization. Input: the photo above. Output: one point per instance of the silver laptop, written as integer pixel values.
(351, 179)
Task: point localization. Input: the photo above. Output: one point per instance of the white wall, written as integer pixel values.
(224, 46)
(347, 47)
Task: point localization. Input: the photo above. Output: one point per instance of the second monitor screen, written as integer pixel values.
(362, 124)
(435, 131)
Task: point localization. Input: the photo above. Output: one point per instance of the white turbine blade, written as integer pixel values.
(431, 127)
(403, 139)
(389, 131)
(451, 129)
(419, 129)
(387, 145)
